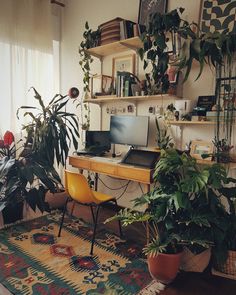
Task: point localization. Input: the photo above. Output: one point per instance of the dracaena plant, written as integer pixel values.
(48, 137)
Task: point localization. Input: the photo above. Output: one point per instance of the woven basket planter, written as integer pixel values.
(195, 262)
(229, 267)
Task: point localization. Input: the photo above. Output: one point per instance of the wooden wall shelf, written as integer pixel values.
(191, 123)
(132, 99)
(116, 47)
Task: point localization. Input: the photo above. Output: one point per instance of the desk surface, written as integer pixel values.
(112, 167)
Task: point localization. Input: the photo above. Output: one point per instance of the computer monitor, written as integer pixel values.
(99, 139)
(129, 130)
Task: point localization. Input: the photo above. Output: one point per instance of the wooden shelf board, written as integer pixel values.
(116, 47)
(104, 99)
(183, 123)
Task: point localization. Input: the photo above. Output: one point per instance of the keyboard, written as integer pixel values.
(92, 151)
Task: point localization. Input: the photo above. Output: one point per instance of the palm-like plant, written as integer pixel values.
(48, 137)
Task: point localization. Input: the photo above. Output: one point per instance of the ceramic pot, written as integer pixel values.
(229, 267)
(164, 267)
(195, 262)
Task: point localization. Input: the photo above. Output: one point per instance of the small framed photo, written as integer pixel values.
(217, 16)
(124, 63)
(200, 147)
(147, 7)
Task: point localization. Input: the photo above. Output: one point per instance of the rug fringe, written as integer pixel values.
(152, 289)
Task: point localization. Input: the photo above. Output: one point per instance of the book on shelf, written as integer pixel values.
(123, 84)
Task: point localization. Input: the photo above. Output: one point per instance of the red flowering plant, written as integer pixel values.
(7, 145)
(48, 136)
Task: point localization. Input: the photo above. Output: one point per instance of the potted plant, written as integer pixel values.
(184, 210)
(28, 176)
(91, 39)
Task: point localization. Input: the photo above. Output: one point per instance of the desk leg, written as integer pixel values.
(147, 190)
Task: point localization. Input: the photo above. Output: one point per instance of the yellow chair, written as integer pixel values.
(79, 190)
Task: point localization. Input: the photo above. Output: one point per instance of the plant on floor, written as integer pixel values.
(48, 136)
(184, 208)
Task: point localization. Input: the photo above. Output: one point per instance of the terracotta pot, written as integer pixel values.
(195, 262)
(164, 267)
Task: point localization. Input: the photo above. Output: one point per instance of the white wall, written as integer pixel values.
(75, 14)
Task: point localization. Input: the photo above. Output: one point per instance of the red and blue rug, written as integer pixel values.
(33, 260)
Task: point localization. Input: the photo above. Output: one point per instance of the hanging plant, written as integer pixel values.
(91, 39)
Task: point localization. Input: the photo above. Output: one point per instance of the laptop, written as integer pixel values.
(97, 143)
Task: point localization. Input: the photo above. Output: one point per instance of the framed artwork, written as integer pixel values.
(217, 15)
(125, 63)
(199, 147)
(146, 7)
(172, 74)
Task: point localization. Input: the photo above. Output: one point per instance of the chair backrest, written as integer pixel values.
(78, 188)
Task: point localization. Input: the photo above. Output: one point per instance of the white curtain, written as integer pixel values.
(26, 57)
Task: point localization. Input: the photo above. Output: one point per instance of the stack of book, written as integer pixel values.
(110, 31)
(119, 29)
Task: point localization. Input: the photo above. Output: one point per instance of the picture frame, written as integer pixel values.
(217, 17)
(146, 7)
(125, 63)
(172, 73)
(200, 147)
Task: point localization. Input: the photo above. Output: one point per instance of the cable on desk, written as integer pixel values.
(111, 188)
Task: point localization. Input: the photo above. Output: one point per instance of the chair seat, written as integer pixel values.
(101, 197)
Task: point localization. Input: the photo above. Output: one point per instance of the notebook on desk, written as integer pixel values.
(142, 158)
(97, 143)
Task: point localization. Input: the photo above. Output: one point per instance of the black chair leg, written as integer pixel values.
(120, 228)
(63, 215)
(91, 208)
(94, 229)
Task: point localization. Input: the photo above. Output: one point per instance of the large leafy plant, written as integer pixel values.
(184, 208)
(48, 137)
(168, 34)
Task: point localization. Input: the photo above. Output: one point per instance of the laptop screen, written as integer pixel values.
(99, 139)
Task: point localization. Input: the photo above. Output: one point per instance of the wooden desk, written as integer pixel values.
(109, 166)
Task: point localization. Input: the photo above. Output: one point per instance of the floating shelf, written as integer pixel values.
(104, 99)
(185, 123)
(116, 47)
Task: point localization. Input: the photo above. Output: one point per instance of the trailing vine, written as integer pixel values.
(91, 39)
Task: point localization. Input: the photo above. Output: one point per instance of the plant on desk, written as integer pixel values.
(184, 212)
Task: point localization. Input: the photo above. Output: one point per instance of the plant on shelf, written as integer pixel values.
(164, 140)
(91, 39)
(28, 176)
(184, 210)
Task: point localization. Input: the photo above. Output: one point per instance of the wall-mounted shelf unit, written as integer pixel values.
(131, 99)
(116, 47)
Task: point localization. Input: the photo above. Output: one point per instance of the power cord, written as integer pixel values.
(124, 190)
(111, 188)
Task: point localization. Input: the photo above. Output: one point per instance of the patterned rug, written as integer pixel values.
(33, 260)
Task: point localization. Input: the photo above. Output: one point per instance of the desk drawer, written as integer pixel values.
(134, 173)
(103, 168)
(79, 163)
